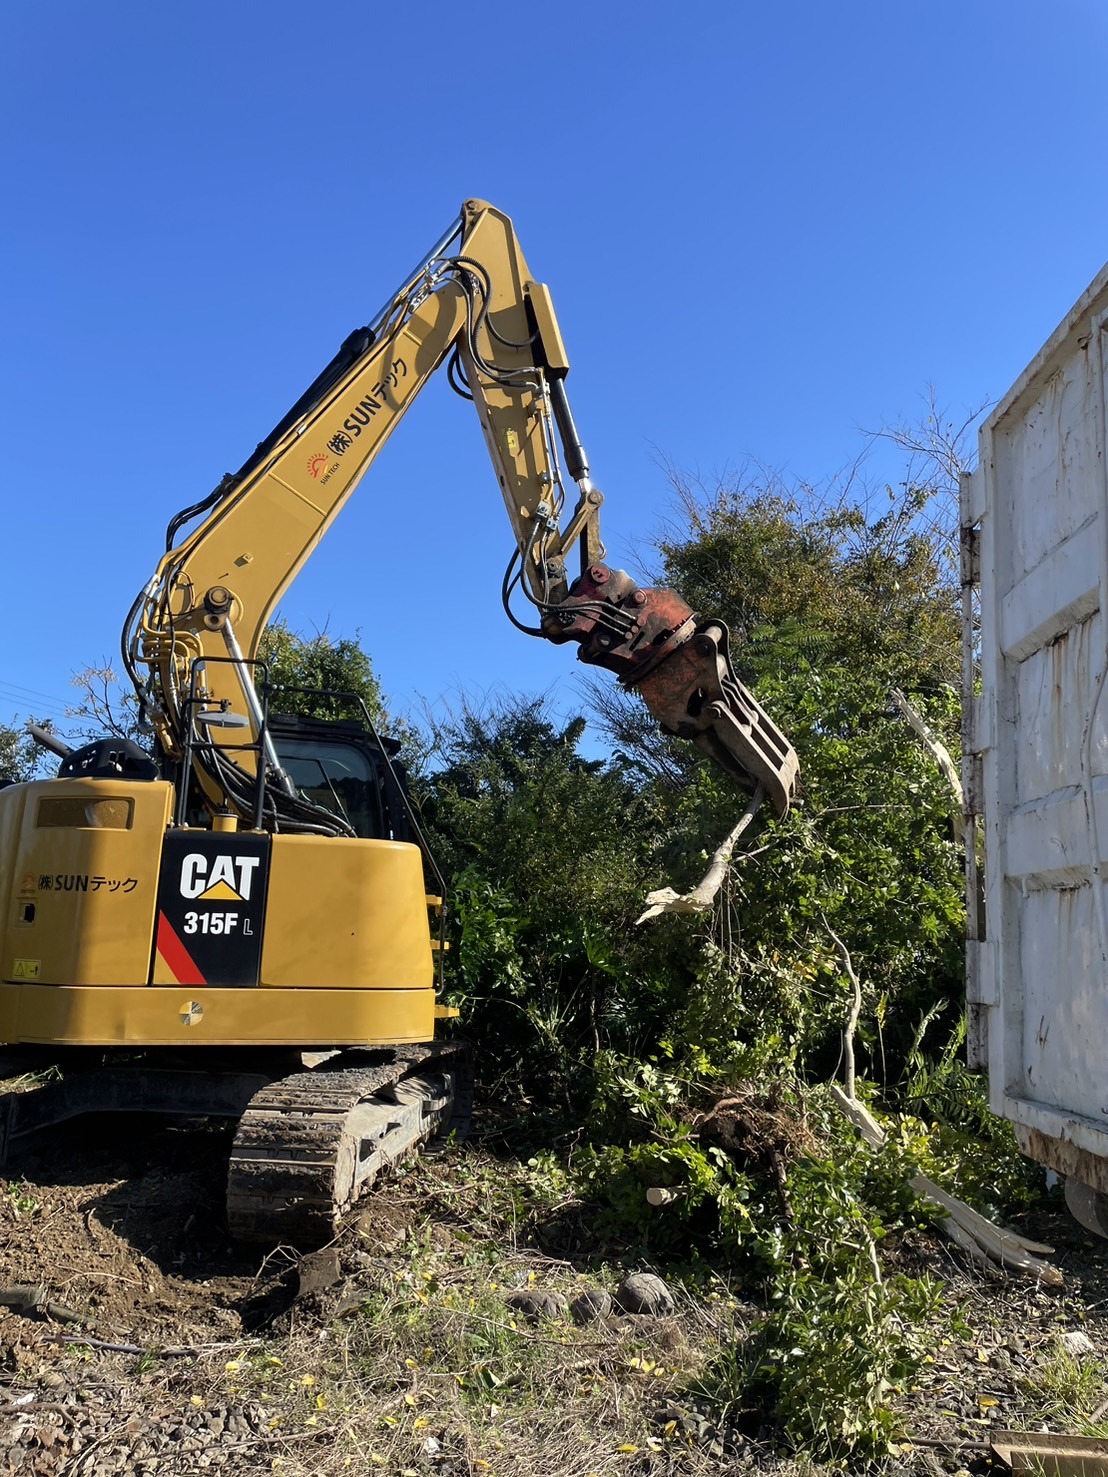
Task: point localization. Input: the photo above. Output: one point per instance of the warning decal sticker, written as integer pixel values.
(180, 962)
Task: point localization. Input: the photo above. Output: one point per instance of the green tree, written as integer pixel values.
(832, 582)
(833, 605)
(320, 663)
(549, 852)
(19, 757)
(837, 604)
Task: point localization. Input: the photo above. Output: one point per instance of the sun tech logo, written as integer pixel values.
(317, 464)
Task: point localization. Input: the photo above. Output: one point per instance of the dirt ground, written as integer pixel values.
(134, 1341)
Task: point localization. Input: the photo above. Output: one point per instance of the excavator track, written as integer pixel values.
(310, 1143)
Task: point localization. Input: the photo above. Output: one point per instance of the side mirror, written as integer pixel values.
(221, 718)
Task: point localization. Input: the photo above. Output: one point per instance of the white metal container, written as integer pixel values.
(1035, 546)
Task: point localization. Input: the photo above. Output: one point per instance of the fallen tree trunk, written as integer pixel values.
(986, 1243)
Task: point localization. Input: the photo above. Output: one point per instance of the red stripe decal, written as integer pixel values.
(178, 959)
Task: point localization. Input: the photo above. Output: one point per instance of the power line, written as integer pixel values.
(48, 708)
(31, 692)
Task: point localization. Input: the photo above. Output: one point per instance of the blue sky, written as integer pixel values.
(764, 226)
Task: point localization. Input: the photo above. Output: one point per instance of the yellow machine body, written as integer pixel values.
(79, 863)
(118, 930)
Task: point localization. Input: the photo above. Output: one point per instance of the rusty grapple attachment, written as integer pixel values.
(694, 693)
(683, 672)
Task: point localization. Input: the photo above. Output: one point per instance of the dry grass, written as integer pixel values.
(430, 1370)
(415, 1365)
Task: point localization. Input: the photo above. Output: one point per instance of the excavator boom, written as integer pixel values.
(472, 300)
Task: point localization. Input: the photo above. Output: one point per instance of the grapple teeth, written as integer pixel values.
(694, 694)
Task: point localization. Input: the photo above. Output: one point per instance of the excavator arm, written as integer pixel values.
(197, 625)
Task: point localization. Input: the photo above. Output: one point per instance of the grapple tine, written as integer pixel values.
(651, 640)
(694, 694)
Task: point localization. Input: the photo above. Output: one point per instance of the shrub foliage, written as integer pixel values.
(644, 1034)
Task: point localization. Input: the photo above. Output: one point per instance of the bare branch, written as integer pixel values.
(104, 705)
(703, 895)
(851, 1026)
(938, 751)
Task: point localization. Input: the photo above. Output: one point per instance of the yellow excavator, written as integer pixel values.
(245, 921)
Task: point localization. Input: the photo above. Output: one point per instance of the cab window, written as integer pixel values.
(337, 777)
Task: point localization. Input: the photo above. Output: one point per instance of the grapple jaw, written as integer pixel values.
(683, 671)
(694, 693)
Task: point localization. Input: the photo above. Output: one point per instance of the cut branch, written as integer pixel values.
(985, 1242)
(855, 1010)
(934, 746)
(703, 895)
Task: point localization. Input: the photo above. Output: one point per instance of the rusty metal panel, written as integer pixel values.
(1058, 1152)
(1050, 1455)
(1038, 506)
